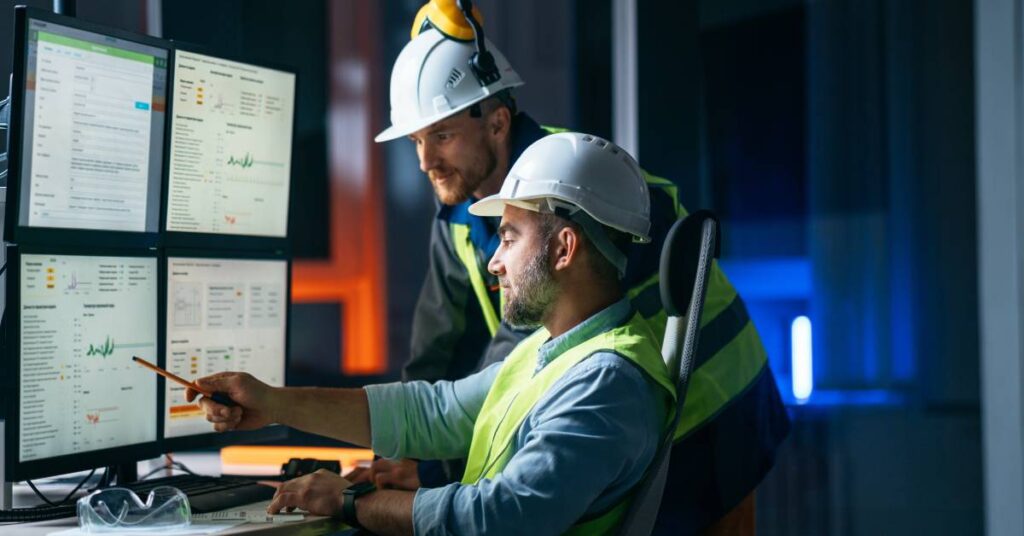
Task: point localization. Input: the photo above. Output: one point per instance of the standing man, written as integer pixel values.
(453, 99)
(558, 434)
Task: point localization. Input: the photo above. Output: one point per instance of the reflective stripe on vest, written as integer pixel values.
(466, 253)
(516, 390)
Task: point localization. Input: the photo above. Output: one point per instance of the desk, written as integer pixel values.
(201, 462)
(310, 526)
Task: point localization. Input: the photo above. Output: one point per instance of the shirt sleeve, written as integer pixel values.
(423, 420)
(582, 449)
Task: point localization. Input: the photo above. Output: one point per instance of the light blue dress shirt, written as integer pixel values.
(581, 449)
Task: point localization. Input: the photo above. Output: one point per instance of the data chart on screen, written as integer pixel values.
(222, 315)
(231, 147)
(82, 318)
(92, 131)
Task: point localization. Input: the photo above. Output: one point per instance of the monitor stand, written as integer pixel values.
(6, 488)
(126, 472)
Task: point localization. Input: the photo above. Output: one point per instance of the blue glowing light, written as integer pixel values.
(802, 365)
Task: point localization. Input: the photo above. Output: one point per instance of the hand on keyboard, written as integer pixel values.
(318, 493)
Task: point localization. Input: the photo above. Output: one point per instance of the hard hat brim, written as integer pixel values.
(400, 131)
(492, 205)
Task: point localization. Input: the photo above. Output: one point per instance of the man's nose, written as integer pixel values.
(428, 157)
(495, 266)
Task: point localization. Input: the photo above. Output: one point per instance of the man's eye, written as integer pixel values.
(443, 136)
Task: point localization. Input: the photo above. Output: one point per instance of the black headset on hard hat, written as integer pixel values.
(482, 61)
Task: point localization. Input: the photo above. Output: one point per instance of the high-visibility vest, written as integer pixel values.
(516, 390)
(730, 356)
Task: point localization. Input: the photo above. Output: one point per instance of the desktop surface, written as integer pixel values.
(203, 462)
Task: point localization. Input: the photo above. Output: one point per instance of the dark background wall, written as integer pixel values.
(834, 137)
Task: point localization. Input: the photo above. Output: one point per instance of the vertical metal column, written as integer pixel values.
(155, 18)
(625, 110)
(65, 7)
(998, 113)
(6, 486)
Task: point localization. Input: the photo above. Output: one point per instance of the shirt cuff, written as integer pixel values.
(432, 473)
(430, 509)
(387, 405)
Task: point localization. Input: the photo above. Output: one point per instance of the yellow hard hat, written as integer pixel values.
(447, 18)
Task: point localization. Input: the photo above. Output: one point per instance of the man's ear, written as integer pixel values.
(567, 248)
(499, 123)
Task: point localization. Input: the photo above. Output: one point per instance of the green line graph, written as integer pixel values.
(245, 162)
(108, 347)
(103, 350)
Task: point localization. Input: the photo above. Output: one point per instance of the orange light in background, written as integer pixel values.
(354, 275)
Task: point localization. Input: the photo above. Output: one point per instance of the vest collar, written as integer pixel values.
(608, 318)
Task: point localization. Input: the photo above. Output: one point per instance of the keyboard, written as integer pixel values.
(205, 494)
(209, 494)
(39, 513)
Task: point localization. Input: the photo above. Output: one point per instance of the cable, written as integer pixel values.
(170, 465)
(66, 498)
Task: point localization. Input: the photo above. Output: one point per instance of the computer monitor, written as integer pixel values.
(223, 314)
(75, 320)
(230, 151)
(87, 139)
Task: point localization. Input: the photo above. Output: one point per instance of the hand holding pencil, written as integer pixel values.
(232, 400)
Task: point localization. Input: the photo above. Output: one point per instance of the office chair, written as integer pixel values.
(686, 258)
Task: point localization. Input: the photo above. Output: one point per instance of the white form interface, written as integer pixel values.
(222, 315)
(231, 147)
(93, 131)
(82, 320)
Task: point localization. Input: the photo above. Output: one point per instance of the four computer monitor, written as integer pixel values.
(113, 260)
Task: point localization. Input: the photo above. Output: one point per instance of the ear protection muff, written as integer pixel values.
(445, 17)
(460, 20)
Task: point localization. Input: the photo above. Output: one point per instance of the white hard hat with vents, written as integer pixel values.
(432, 80)
(571, 173)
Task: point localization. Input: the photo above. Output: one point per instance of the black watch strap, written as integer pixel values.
(349, 496)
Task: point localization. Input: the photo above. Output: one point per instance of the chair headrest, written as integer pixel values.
(679, 257)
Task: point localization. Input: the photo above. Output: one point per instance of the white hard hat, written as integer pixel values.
(570, 172)
(432, 80)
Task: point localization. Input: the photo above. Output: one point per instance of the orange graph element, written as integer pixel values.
(92, 418)
(185, 410)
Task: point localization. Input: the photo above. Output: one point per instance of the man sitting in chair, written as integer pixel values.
(558, 434)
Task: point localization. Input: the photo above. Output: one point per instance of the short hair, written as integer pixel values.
(488, 105)
(550, 224)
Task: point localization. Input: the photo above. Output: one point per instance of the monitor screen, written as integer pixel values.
(92, 130)
(230, 147)
(222, 315)
(82, 318)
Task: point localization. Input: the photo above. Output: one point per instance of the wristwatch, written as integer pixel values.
(349, 496)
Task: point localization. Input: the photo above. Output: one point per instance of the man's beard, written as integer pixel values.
(533, 293)
(460, 185)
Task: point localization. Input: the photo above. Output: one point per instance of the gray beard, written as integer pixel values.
(534, 294)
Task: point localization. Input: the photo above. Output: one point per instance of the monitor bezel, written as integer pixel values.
(222, 439)
(15, 232)
(187, 239)
(11, 382)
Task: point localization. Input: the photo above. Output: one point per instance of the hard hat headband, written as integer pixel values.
(597, 233)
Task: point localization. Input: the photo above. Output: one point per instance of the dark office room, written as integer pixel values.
(637, 267)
